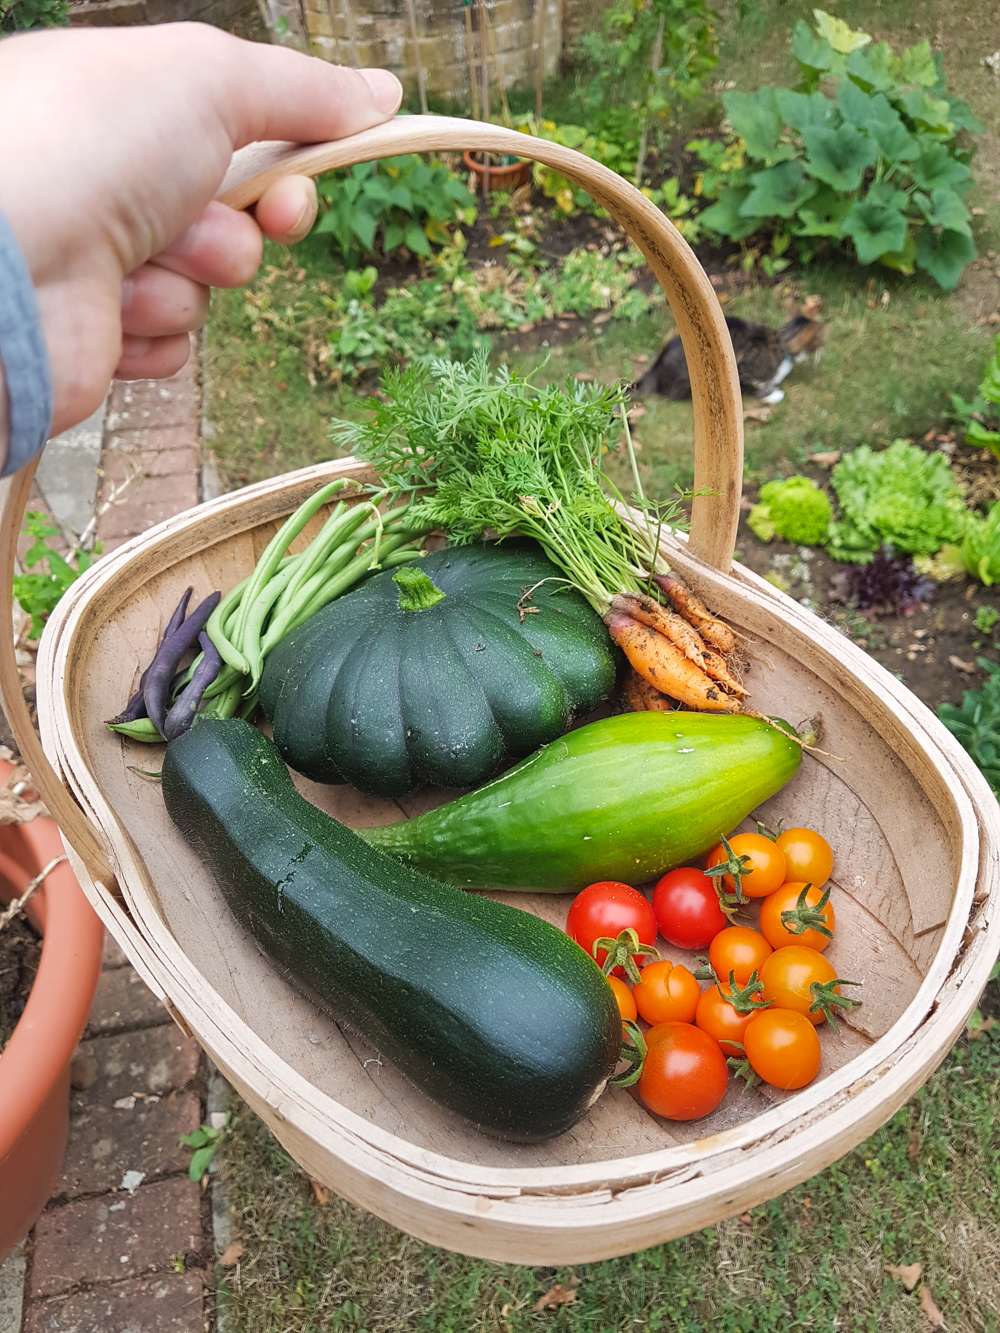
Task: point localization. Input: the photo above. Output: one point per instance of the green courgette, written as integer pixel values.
(491, 1011)
(626, 798)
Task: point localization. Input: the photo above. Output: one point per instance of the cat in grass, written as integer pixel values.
(764, 357)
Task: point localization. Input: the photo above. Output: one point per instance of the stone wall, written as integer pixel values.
(379, 33)
(239, 16)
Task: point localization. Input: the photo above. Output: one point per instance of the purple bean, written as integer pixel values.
(168, 655)
(185, 707)
(136, 706)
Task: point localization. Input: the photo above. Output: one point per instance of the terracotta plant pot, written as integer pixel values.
(507, 178)
(34, 1066)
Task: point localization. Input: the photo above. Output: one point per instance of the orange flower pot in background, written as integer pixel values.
(507, 177)
(34, 1066)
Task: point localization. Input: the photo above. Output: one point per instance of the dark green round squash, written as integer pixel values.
(437, 672)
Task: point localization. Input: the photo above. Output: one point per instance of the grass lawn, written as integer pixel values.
(923, 1189)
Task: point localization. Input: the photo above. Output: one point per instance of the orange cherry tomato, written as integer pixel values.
(740, 950)
(782, 1048)
(808, 856)
(626, 1001)
(787, 978)
(685, 1075)
(764, 867)
(723, 1022)
(667, 993)
(786, 899)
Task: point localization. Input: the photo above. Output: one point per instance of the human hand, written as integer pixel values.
(122, 140)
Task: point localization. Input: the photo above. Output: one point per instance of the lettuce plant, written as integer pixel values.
(900, 497)
(865, 154)
(794, 509)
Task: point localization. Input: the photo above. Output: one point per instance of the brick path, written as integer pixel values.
(125, 1245)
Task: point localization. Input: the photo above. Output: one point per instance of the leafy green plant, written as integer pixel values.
(650, 58)
(205, 1143)
(37, 594)
(980, 546)
(976, 724)
(980, 419)
(20, 15)
(876, 167)
(900, 497)
(986, 618)
(400, 200)
(620, 157)
(794, 509)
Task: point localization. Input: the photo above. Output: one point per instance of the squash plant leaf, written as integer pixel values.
(725, 217)
(943, 255)
(801, 110)
(945, 209)
(875, 230)
(916, 65)
(873, 68)
(839, 157)
(778, 191)
(842, 39)
(815, 55)
(824, 214)
(962, 116)
(936, 168)
(932, 113)
(756, 119)
(905, 260)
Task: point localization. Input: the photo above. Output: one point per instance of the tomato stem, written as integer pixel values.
(706, 972)
(826, 999)
(743, 1000)
(736, 867)
(803, 917)
(634, 1052)
(622, 952)
(741, 1068)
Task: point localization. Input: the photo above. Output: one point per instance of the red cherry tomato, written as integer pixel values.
(626, 1001)
(686, 906)
(603, 911)
(765, 868)
(685, 1074)
(667, 993)
(786, 899)
(808, 856)
(782, 1048)
(717, 1015)
(740, 950)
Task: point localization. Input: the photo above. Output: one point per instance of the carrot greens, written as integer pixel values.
(475, 451)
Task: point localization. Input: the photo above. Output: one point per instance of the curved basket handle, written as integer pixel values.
(73, 823)
(718, 414)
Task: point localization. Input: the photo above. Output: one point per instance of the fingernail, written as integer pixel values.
(387, 91)
(128, 292)
(307, 217)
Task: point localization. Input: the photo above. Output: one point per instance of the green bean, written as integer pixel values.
(250, 640)
(276, 548)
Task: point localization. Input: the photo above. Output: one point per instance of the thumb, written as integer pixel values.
(270, 92)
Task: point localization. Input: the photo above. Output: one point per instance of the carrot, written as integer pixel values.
(665, 667)
(641, 697)
(696, 613)
(682, 635)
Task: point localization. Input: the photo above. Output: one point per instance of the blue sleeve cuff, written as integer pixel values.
(25, 358)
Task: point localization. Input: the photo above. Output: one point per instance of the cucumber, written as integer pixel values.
(492, 1012)
(626, 798)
